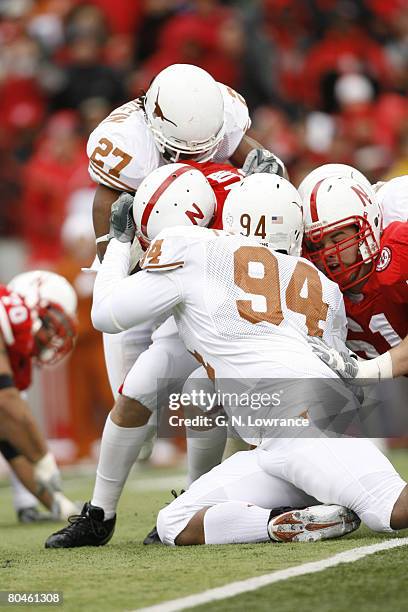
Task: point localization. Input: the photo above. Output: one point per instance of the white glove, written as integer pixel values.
(62, 507)
(343, 364)
(262, 160)
(47, 474)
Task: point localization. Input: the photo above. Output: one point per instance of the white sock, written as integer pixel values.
(203, 453)
(120, 447)
(236, 522)
(22, 498)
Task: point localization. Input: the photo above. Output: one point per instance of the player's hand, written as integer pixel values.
(62, 507)
(262, 160)
(47, 474)
(122, 225)
(344, 364)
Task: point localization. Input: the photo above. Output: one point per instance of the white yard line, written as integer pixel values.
(243, 586)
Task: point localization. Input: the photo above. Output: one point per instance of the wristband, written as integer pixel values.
(104, 238)
(6, 381)
(379, 368)
(8, 451)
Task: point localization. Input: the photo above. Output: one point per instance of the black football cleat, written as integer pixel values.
(85, 529)
(152, 537)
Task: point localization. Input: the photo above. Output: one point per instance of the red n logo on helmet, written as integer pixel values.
(194, 215)
(364, 197)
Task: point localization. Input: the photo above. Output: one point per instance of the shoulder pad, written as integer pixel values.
(393, 199)
(392, 264)
(169, 248)
(121, 149)
(237, 122)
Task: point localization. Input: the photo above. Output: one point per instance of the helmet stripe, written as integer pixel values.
(313, 202)
(156, 195)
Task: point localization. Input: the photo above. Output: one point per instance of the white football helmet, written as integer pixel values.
(336, 203)
(175, 194)
(328, 171)
(267, 207)
(185, 111)
(53, 303)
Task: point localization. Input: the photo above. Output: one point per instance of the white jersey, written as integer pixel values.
(241, 308)
(393, 199)
(122, 150)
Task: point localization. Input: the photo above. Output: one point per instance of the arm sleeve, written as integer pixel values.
(121, 301)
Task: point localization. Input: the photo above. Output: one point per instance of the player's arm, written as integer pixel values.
(347, 365)
(19, 429)
(103, 200)
(251, 155)
(245, 146)
(120, 301)
(399, 358)
(16, 422)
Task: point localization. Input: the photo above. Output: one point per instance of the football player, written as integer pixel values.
(37, 325)
(185, 114)
(344, 238)
(174, 194)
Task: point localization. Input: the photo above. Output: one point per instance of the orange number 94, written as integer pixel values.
(312, 306)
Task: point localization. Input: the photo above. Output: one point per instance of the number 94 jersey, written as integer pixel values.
(16, 330)
(244, 302)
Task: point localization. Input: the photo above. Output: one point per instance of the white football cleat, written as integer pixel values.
(311, 524)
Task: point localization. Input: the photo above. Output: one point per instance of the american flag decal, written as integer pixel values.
(277, 219)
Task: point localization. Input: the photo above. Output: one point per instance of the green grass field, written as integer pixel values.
(125, 575)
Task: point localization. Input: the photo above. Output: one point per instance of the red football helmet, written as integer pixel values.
(52, 302)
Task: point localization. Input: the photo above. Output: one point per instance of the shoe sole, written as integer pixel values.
(313, 524)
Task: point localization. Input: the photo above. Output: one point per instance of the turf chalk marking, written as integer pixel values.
(243, 586)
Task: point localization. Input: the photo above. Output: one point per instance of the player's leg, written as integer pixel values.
(233, 504)
(127, 426)
(349, 472)
(24, 502)
(204, 448)
(125, 432)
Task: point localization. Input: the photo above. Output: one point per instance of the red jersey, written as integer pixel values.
(221, 178)
(16, 330)
(378, 317)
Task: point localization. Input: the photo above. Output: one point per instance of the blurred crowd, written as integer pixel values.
(325, 81)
